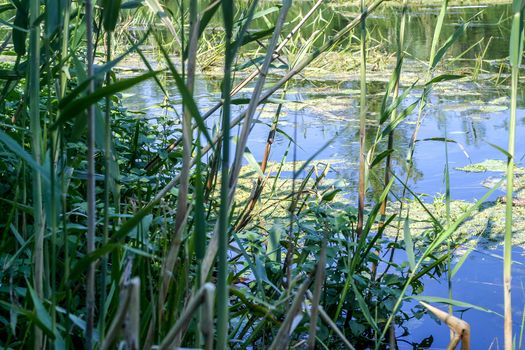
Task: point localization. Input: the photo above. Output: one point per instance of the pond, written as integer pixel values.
(473, 112)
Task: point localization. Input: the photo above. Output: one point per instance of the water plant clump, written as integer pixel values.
(247, 175)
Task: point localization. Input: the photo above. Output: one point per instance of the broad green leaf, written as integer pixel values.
(7, 74)
(507, 154)
(83, 263)
(394, 123)
(99, 72)
(444, 77)
(394, 79)
(451, 40)
(21, 22)
(15, 147)
(378, 158)
(41, 313)
(251, 37)
(110, 14)
(253, 163)
(461, 261)
(409, 244)
(329, 195)
(364, 308)
(206, 17)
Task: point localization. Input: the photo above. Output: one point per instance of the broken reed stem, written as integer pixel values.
(331, 324)
(205, 296)
(459, 327)
(127, 318)
(283, 335)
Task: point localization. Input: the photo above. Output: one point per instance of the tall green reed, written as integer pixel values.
(362, 125)
(34, 118)
(515, 55)
(91, 186)
(224, 213)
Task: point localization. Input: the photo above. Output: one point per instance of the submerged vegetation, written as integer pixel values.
(133, 224)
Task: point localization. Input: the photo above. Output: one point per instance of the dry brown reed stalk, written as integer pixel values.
(245, 216)
(205, 296)
(460, 328)
(127, 318)
(282, 338)
(250, 112)
(331, 324)
(361, 186)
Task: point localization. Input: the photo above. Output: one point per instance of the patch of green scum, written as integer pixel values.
(5, 64)
(519, 183)
(486, 224)
(334, 164)
(275, 199)
(493, 165)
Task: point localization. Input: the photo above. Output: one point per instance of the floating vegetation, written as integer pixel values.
(492, 165)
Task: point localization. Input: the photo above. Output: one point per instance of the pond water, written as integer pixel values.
(473, 113)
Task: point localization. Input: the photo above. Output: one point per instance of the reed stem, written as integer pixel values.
(515, 55)
(34, 115)
(91, 209)
(362, 126)
(224, 211)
